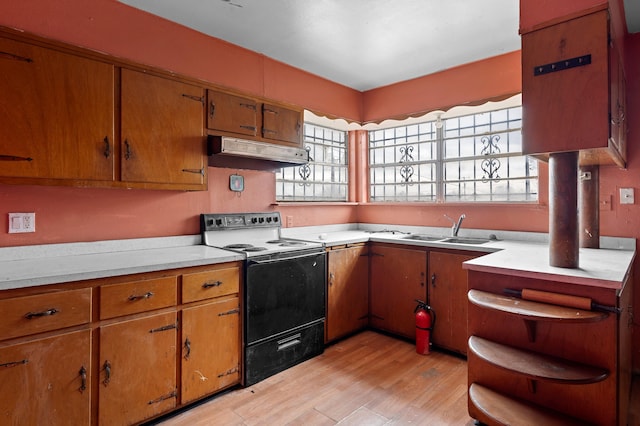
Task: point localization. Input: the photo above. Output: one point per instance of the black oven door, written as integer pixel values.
(283, 292)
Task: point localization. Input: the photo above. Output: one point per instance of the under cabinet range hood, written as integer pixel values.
(226, 151)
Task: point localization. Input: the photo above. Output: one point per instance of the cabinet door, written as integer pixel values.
(210, 348)
(348, 291)
(397, 279)
(448, 299)
(230, 113)
(47, 381)
(162, 131)
(137, 369)
(566, 110)
(282, 124)
(56, 114)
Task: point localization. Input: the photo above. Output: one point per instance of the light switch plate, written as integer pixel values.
(22, 222)
(627, 196)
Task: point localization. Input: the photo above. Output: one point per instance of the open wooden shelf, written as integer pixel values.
(495, 408)
(533, 365)
(534, 311)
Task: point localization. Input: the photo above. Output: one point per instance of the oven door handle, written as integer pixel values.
(280, 259)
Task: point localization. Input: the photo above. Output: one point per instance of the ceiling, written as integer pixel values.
(362, 44)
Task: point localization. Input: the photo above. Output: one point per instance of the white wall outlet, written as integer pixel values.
(22, 222)
(627, 196)
(289, 221)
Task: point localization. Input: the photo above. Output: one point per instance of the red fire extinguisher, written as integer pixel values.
(425, 320)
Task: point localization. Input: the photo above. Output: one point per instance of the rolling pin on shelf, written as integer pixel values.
(561, 299)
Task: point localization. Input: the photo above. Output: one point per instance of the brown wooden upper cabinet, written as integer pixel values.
(573, 91)
(162, 137)
(233, 115)
(56, 114)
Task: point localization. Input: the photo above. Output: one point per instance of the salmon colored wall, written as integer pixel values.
(497, 77)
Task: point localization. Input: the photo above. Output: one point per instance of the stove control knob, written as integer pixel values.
(218, 222)
(268, 219)
(261, 220)
(254, 220)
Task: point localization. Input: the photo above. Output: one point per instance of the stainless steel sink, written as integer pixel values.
(465, 240)
(422, 237)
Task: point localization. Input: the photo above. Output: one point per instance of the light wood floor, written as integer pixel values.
(368, 379)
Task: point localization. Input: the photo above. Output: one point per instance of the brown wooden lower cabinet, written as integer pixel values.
(347, 291)
(398, 278)
(137, 369)
(210, 348)
(448, 299)
(47, 381)
(530, 362)
(119, 350)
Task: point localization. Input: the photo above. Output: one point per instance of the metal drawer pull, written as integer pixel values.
(47, 313)
(231, 312)
(210, 284)
(252, 128)
(249, 106)
(228, 372)
(14, 363)
(15, 57)
(83, 377)
(289, 342)
(133, 297)
(194, 98)
(164, 328)
(107, 373)
(107, 147)
(194, 171)
(173, 394)
(14, 158)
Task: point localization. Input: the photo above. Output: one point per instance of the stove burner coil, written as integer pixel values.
(238, 246)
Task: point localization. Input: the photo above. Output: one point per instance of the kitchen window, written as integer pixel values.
(466, 158)
(324, 178)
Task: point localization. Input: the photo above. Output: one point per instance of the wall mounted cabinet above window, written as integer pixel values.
(234, 115)
(573, 91)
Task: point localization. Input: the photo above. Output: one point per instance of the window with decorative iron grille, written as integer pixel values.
(471, 158)
(325, 177)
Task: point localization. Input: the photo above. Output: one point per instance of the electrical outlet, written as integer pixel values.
(289, 221)
(22, 222)
(626, 196)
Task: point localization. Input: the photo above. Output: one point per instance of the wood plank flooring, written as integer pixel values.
(368, 379)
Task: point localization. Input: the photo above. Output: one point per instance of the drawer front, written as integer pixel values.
(205, 285)
(139, 296)
(22, 316)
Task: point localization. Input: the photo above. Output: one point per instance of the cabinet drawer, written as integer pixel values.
(205, 285)
(22, 316)
(138, 296)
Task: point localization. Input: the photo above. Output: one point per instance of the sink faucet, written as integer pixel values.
(456, 225)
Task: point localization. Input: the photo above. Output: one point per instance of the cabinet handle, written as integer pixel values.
(14, 158)
(252, 128)
(210, 284)
(212, 109)
(83, 378)
(187, 348)
(231, 312)
(107, 373)
(194, 98)
(228, 372)
(331, 277)
(134, 297)
(433, 280)
(164, 328)
(170, 395)
(272, 111)
(249, 106)
(107, 147)
(15, 57)
(47, 313)
(269, 131)
(194, 171)
(127, 150)
(14, 363)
